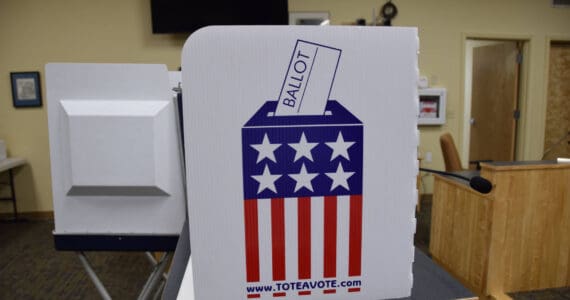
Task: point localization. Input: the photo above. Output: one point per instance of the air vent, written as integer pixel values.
(561, 3)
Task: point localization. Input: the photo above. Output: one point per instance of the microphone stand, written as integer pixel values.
(477, 183)
(445, 174)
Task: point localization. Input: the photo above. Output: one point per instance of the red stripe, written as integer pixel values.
(251, 240)
(355, 236)
(329, 291)
(253, 296)
(352, 290)
(330, 237)
(304, 293)
(278, 237)
(304, 235)
(282, 294)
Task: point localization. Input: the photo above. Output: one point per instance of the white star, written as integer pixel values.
(340, 177)
(340, 147)
(303, 179)
(303, 148)
(265, 149)
(266, 180)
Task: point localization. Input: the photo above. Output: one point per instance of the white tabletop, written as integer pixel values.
(186, 291)
(11, 162)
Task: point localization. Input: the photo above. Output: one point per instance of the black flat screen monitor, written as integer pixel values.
(186, 16)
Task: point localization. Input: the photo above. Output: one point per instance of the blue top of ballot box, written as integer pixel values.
(301, 155)
(335, 114)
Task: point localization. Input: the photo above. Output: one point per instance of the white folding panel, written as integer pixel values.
(115, 154)
(301, 144)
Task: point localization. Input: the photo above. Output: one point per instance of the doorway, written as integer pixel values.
(492, 91)
(557, 128)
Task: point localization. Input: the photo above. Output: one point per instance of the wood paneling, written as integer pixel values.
(517, 238)
(530, 246)
(460, 231)
(558, 106)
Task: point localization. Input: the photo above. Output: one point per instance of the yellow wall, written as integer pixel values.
(34, 32)
(444, 25)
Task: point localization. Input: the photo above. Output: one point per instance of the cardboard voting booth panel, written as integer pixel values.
(115, 154)
(301, 145)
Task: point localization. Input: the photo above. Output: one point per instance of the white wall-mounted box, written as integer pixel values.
(432, 106)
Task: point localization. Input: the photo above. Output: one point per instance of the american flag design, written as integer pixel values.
(302, 182)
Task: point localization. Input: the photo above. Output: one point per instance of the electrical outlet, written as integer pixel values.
(428, 157)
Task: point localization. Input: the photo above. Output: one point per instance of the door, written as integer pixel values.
(557, 129)
(494, 102)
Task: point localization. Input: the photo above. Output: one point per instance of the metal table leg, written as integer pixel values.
(155, 276)
(12, 187)
(98, 284)
(12, 193)
(153, 261)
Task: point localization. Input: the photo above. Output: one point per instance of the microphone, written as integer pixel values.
(477, 183)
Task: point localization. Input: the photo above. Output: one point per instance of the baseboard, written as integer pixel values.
(500, 296)
(30, 215)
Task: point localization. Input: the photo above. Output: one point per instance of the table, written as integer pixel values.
(9, 164)
(81, 243)
(515, 238)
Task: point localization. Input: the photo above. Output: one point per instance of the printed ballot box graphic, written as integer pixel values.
(311, 202)
(302, 182)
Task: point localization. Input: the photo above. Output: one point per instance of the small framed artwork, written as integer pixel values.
(432, 106)
(26, 91)
(309, 18)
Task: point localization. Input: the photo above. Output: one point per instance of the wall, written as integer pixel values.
(34, 32)
(444, 26)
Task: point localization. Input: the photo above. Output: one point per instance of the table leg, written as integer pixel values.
(98, 284)
(155, 276)
(13, 191)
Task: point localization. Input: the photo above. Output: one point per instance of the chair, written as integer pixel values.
(450, 154)
(451, 158)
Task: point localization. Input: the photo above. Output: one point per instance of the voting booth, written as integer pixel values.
(116, 161)
(301, 145)
(115, 153)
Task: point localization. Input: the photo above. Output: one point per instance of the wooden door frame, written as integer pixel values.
(465, 105)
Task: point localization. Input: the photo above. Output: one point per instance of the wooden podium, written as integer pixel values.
(517, 238)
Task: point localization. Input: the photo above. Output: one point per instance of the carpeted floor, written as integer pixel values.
(30, 268)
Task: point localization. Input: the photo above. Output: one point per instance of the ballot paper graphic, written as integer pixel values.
(302, 174)
(309, 79)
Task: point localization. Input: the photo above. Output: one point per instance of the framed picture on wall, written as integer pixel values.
(26, 89)
(309, 18)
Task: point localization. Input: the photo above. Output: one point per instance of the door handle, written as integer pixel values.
(472, 121)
